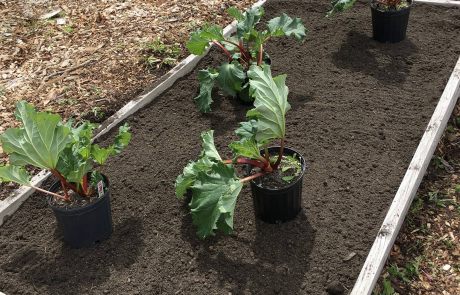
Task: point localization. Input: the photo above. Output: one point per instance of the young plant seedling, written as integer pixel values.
(44, 141)
(213, 181)
(242, 51)
(382, 5)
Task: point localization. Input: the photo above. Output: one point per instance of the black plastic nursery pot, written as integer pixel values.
(283, 204)
(85, 226)
(389, 26)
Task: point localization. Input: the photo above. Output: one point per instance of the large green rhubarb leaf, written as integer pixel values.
(340, 5)
(270, 103)
(286, 26)
(214, 198)
(40, 140)
(204, 99)
(199, 41)
(208, 157)
(231, 78)
(16, 174)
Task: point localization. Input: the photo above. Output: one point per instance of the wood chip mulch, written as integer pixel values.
(86, 60)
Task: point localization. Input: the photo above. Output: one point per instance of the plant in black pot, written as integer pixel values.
(242, 50)
(275, 172)
(80, 198)
(389, 17)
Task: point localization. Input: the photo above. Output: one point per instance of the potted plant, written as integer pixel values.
(389, 17)
(242, 51)
(275, 172)
(80, 198)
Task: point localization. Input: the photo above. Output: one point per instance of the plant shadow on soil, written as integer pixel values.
(274, 261)
(79, 268)
(389, 63)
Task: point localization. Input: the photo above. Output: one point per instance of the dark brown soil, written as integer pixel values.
(359, 109)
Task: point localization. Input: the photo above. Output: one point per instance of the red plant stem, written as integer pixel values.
(246, 52)
(69, 185)
(49, 193)
(255, 163)
(241, 48)
(261, 53)
(280, 155)
(249, 178)
(64, 187)
(85, 184)
(229, 55)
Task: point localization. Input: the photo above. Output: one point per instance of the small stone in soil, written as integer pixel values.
(335, 288)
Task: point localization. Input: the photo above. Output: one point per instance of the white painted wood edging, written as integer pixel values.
(389, 230)
(9, 205)
(447, 3)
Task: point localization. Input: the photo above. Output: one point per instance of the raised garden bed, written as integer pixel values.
(359, 111)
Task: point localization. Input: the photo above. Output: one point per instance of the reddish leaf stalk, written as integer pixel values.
(280, 155)
(243, 52)
(49, 193)
(218, 44)
(64, 187)
(85, 184)
(251, 177)
(65, 184)
(261, 53)
(246, 53)
(255, 163)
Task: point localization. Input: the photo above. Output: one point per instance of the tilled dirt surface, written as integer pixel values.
(359, 109)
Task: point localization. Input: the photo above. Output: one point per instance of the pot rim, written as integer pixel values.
(85, 207)
(403, 10)
(303, 164)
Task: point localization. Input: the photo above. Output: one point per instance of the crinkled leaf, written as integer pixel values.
(16, 174)
(245, 148)
(209, 149)
(100, 155)
(214, 199)
(188, 176)
(208, 157)
(235, 13)
(39, 141)
(231, 78)
(270, 103)
(200, 39)
(251, 17)
(122, 139)
(204, 99)
(247, 129)
(72, 165)
(286, 26)
(340, 5)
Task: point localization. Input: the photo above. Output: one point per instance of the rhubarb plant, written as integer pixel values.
(383, 5)
(44, 141)
(243, 50)
(213, 181)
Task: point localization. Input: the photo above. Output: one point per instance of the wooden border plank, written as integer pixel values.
(9, 205)
(447, 3)
(408, 188)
